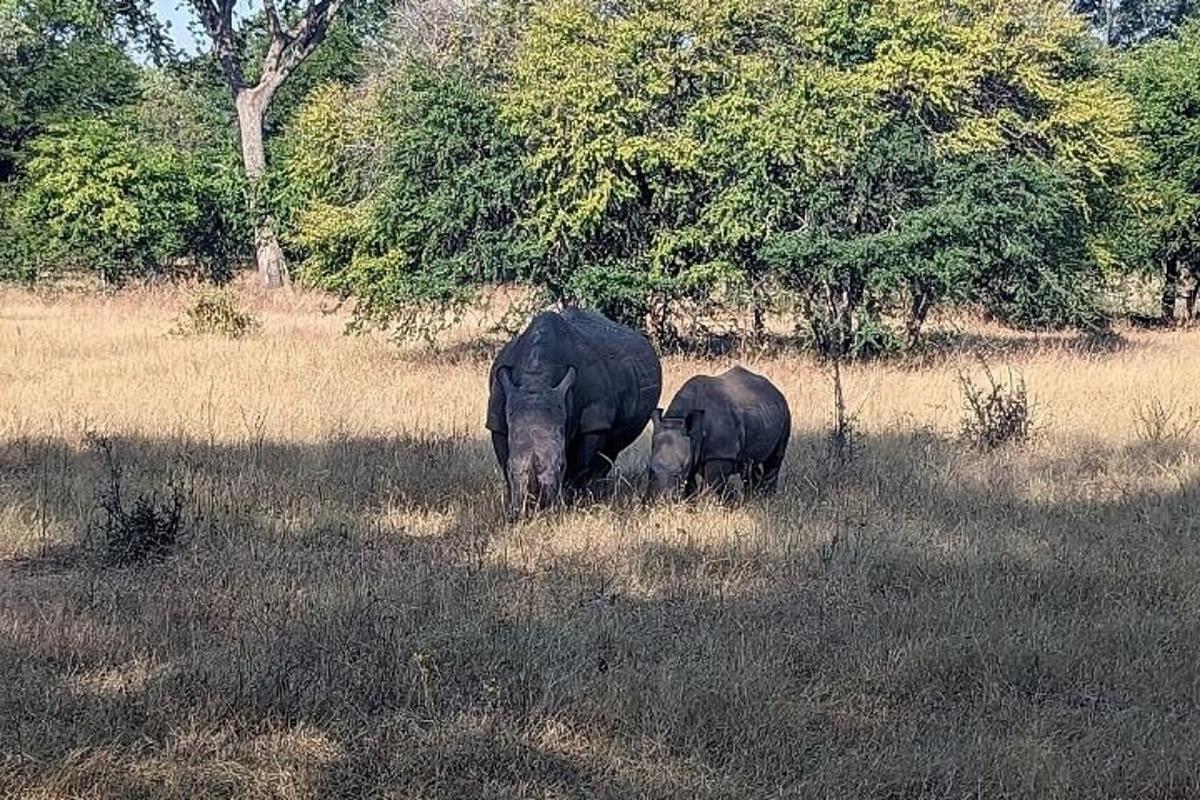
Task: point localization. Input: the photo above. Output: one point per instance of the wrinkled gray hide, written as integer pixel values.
(566, 397)
(716, 427)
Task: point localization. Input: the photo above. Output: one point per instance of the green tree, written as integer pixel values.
(407, 191)
(132, 193)
(292, 33)
(60, 60)
(408, 196)
(1121, 23)
(1164, 80)
(723, 148)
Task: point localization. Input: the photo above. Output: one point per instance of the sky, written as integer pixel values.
(177, 16)
(178, 13)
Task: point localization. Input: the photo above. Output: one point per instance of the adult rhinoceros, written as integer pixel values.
(567, 395)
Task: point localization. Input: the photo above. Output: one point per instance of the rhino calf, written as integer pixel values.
(716, 427)
(566, 397)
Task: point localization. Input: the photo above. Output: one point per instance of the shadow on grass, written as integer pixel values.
(263, 482)
(918, 623)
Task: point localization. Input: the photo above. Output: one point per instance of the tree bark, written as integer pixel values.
(268, 255)
(1170, 292)
(758, 325)
(1193, 292)
(917, 312)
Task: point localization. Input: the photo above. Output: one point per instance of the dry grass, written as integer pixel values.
(347, 616)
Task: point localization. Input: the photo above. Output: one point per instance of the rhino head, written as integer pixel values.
(537, 440)
(674, 453)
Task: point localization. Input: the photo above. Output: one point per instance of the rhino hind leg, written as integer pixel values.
(767, 475)
(500, 447)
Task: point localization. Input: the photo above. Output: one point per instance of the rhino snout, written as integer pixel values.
(532, 491)
(664, 486)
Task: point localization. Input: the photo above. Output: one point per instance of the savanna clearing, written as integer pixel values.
(345, 614)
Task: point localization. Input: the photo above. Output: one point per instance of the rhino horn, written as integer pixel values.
(566, 383)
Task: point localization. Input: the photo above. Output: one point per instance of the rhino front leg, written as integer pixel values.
(715, 475)
(500, 447)
(585, 462)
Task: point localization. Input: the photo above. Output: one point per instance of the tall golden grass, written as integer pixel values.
(346, 615)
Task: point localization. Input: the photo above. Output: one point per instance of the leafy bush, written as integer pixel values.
(215, 312)
(148, 529)
(60, 60)
(1164, 81)
(152, 187)
(24, 247)
(118, 208)
(114, 204)
(182, 113)
(408, 197)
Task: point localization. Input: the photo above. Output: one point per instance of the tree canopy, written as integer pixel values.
(678, 164)
(1164, 80)
(854, 155)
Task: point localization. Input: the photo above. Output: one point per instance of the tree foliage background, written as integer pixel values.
(679, 164)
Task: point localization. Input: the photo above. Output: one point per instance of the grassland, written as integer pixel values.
(347, 616)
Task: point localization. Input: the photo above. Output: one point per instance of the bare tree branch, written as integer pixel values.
(274, 26)
(310, 31)
(288, 48)
(217, 18)
(435, 32)
(278, 38)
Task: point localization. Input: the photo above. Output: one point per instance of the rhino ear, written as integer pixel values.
(567, 382)
(656, 418)
(504, 376)
(694, 420)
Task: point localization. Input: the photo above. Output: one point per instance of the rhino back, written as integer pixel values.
(618, 380)
(745, 416)
(761, 409)
(624, 375)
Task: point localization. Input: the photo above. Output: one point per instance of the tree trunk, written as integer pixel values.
(1170, 290)
(917, 313)
(251, 108)
(758, 325)
(1193, 292)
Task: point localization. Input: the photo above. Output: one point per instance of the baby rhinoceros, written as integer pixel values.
(716, 427)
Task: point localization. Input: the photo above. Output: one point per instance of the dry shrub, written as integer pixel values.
(148, 530)
(1157, 423)
(995, 414)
